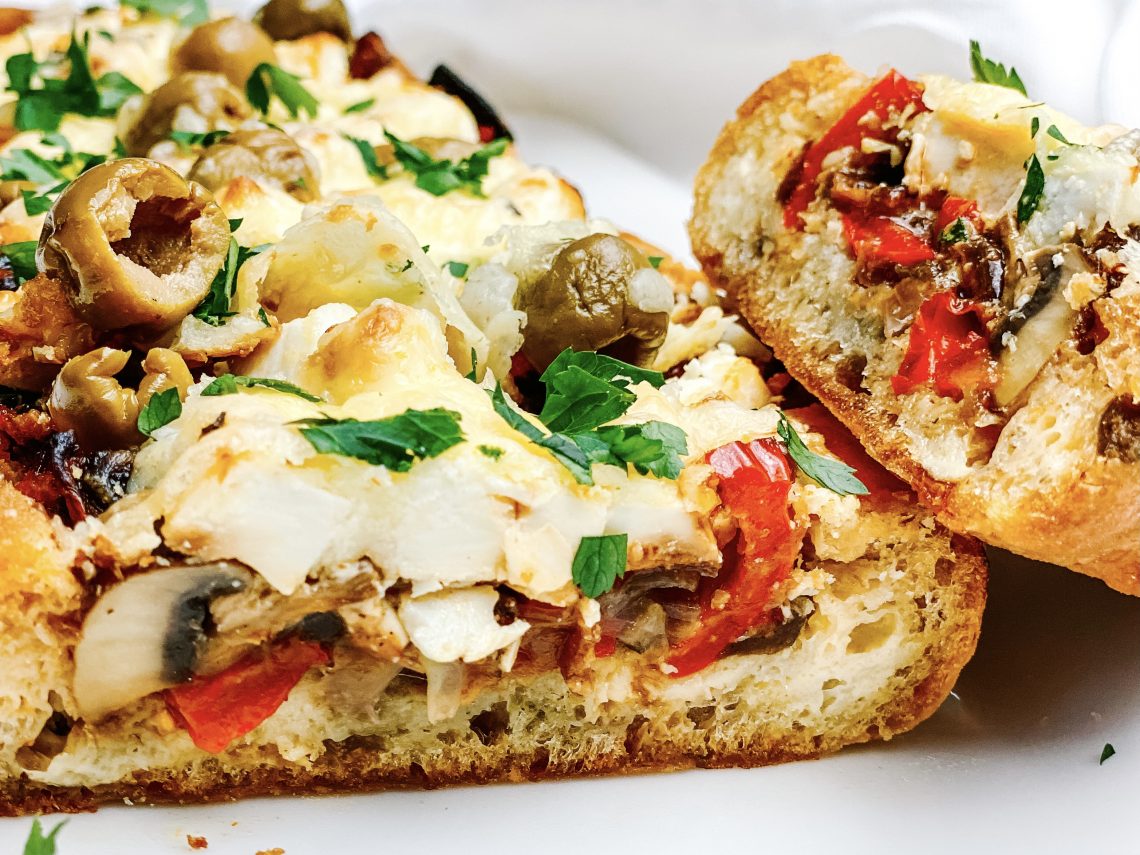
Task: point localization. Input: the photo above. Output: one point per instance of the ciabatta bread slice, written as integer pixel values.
(887, 634)
(990, 353)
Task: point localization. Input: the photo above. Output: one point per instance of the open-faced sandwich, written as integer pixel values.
(340, 451)
(953, 269)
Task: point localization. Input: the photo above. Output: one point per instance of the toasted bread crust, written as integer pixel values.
(631, 736)
(1086, 519)
(364, 765)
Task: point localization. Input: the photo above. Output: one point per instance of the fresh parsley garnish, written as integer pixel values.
(368, 155)
(50, 175)
(442, 176)
(160, 410)
(584, 391)
(268, 80)
(43, 106)
(20, 259)
(956, 232)
(215, 307)
(359, 106)
(228, 384)
(1031, 193)
(1034, 126)
(458, 269)
(655, 261)
(1106, 752)
(472, 375)
(492, 451)
(189, 13)
(1056, 134)
(40, 844)
(394, 443)
(988, 71)
(652, 448)
(835, 475)
(189, 139)
(599, 563)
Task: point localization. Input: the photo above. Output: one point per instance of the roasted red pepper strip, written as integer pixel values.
(218, 709)
(755, 479)
(890, 93)
(954, 207)
(947, 349)
(884, 240)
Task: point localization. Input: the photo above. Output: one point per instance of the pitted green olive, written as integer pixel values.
(599, 294)
(135, 244)
(293, 19)
(87, 399)
(195, 101)
(165, 370)
(268, 156)
(228, 46)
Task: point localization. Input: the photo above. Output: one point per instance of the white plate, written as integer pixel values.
(624, 98)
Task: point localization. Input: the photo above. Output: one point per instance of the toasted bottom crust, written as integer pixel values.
(546, 733)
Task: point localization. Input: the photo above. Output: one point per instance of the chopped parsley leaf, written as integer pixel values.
(35, 203)
(956, 232)
(583, 392)
(1034, 126)
(368, 155)
(360, 106)
(599, 563)
(188, 139)
(268, 80)
(189, 13)
(1032, 191)
(988, 71)
(457, 269)
(160, 411)
(20, 259)
(472, 374)
(586, 389)
(40, 844)
(442, 176)
(394, 443)
(835, 475)
(42, 107)
(655, 261)
(1106, 752)
(228, 384)
(492, 451)
(215, 308)
(1056, 134)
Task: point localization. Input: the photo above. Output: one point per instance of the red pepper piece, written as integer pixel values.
(218, 709)
(884, 240)
(948, 348)
(842, 443)
(954, 207)
(755, 479)
(890, 93)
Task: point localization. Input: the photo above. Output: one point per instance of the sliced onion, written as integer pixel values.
(444, 689)
(355, 685)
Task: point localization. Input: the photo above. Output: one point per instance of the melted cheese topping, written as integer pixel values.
(362, 314)
(975, 142)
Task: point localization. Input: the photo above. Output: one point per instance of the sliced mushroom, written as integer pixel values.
(146, 634)
(1041, 319)
(1118, 434)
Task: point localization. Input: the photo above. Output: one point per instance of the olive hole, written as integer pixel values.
(159, 237)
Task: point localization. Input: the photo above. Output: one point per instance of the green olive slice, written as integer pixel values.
(136, 244)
